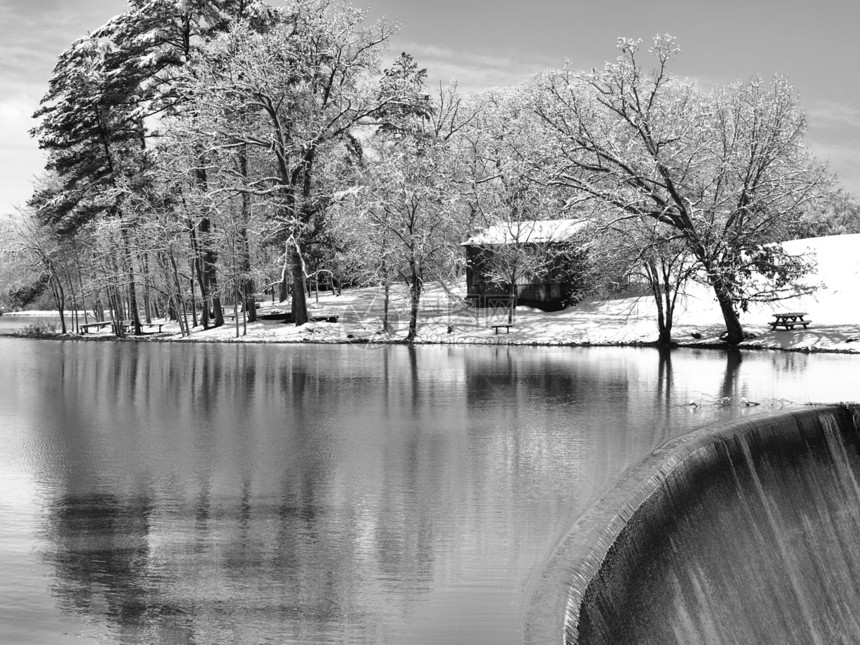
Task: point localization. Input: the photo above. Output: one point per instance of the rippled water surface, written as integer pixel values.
(169, 493)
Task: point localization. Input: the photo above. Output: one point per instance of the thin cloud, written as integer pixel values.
(19, 154)
(840, 155)
(33, 33)
(15, 111)
(474, 70)
(834, 137)
(834, 114)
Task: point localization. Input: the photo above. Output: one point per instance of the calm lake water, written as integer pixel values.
(170, 493)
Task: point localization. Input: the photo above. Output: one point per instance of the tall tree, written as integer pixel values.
(152, 44)
(302, 87)
(728, 169)
(642, 249)
(411, 202)
(36, 244)
(92, 137)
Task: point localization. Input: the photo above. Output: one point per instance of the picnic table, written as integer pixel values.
(507, 327)
(788, 320)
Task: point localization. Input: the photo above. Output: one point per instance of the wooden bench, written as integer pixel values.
(96, 325)
(789, 320)
(128, 326)
(507, 327)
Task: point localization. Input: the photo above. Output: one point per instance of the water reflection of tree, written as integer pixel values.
(665, 408)
(262, 519)
(729, 387)
(665, 383)
(551, 423)
(101, 556)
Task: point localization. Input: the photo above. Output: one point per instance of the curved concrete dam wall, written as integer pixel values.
(743, 533)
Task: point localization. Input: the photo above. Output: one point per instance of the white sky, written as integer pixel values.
(484, 43)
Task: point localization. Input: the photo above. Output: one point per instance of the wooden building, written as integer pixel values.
(540, 257)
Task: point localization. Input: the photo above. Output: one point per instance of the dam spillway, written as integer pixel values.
(747, 532)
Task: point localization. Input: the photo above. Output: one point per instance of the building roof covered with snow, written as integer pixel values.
(528, 232)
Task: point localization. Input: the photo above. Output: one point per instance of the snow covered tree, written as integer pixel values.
(152, 44)
(93, 142)
(839, 214)
(411, 202)
(32, 243)
(509, 192)
(155, 39)
(109, 93)
(727, 169)
(641, 250)
(291, 95)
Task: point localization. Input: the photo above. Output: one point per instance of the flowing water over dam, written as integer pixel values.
(743, 533)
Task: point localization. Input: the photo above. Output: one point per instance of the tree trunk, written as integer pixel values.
(236, 312)
(299, 304)
(202, 279)
(248, 303)
(734, 330)
(128, 259)
(76, 325)
(98, 306)
(664, 337)
(283, 289)
(147, 289)
(59, 299)
(81, 289)
(181, 313)
(217, 309)
(414, 302)
(662, 294)
(207, 259)
(386, 300)
(664, 323)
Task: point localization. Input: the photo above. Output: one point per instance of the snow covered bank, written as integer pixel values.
(834, 309)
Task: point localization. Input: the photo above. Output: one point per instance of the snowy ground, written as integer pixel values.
(834, 310)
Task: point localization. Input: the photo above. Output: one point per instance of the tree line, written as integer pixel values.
(203, 152)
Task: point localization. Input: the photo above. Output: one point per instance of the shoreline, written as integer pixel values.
(487, 341)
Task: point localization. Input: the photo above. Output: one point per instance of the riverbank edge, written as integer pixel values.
(490, 341)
